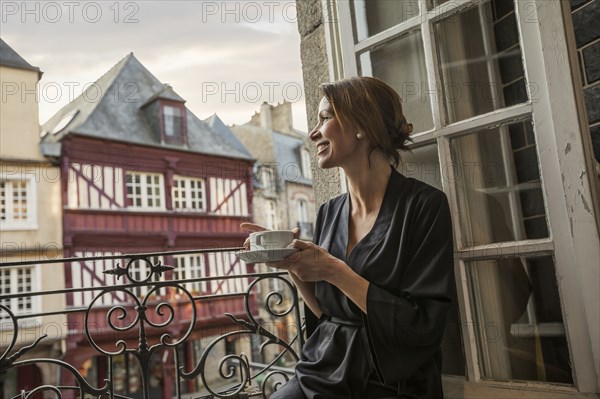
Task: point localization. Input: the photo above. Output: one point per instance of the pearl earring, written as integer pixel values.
(359, 136)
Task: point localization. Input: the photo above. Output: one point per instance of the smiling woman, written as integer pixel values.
(378, 276)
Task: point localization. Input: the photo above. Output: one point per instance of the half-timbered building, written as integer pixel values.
(141, 173)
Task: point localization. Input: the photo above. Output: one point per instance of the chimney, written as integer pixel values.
(281, 116)
(266, 120)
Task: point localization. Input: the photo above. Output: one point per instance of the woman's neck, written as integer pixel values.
(367, 184)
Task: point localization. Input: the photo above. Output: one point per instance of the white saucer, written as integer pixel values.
(265, 255)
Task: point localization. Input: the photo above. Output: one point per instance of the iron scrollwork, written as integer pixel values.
(135, 315)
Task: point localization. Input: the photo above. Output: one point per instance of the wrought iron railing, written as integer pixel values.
(151, 336)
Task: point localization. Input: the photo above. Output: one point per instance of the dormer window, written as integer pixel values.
(173, 123)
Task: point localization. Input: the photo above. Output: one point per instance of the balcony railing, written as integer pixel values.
(144, 329)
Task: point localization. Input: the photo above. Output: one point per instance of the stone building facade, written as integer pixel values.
(30, 225)
(283, 196)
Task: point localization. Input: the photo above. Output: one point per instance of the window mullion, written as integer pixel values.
(555, 115)
(448, 183)
(12, 289)
(8, 195)
(203, 190)
(433, 78)
(187, 200)
(468, 334)
(506, 249)
(446, 9)
(144, 191)
(462, 293)
(332, 39)
(403, 27)
(347, 38)
(490, 119)
(162, 190)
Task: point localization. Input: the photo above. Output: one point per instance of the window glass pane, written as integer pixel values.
(191, 192)
(401, 64)
(20, 281)
(2, 201)
(498, 185)
(423, 164)
(371, 17)
(518, 321)
(20, 201)
(480, 60)
(172, 121)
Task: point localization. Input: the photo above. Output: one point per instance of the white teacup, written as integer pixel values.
(270, 239)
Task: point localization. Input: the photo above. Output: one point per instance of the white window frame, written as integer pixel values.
(574, 236)
(143, 194)
(5, 322)
(185, 193)
(31, 222)
(169, 115)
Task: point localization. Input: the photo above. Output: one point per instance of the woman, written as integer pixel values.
(379, 274)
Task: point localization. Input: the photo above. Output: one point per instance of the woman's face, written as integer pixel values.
(335, 147)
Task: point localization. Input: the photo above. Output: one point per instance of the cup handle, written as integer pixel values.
(258, 241)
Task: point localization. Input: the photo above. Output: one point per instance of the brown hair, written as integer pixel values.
(371, 107)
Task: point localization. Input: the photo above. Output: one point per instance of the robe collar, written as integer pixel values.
(381, 226)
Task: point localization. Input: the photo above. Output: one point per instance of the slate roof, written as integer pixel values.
(10, 58)
(111, 108)
(288, 158)
(217, 126)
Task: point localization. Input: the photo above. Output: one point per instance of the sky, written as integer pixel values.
(223, 57)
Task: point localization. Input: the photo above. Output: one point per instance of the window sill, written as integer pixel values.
(456, 387)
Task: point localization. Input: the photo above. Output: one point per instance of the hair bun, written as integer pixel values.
(402, 135)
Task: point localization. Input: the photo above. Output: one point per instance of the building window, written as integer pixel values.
(17, 204)
(18, 280)
(188, 194)
(306, 171)
(270, 215)
(305, 225)
(189, 267)
(173, 123)
(266, 179)
(466, 73)
(302, 209)
(145, 190)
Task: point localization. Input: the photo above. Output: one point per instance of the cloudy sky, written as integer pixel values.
(223, 57)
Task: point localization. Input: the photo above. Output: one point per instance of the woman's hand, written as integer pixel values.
(310, 263)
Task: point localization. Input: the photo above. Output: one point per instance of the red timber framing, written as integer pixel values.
(107, 212)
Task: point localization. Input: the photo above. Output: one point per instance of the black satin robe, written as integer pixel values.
(408, 259)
